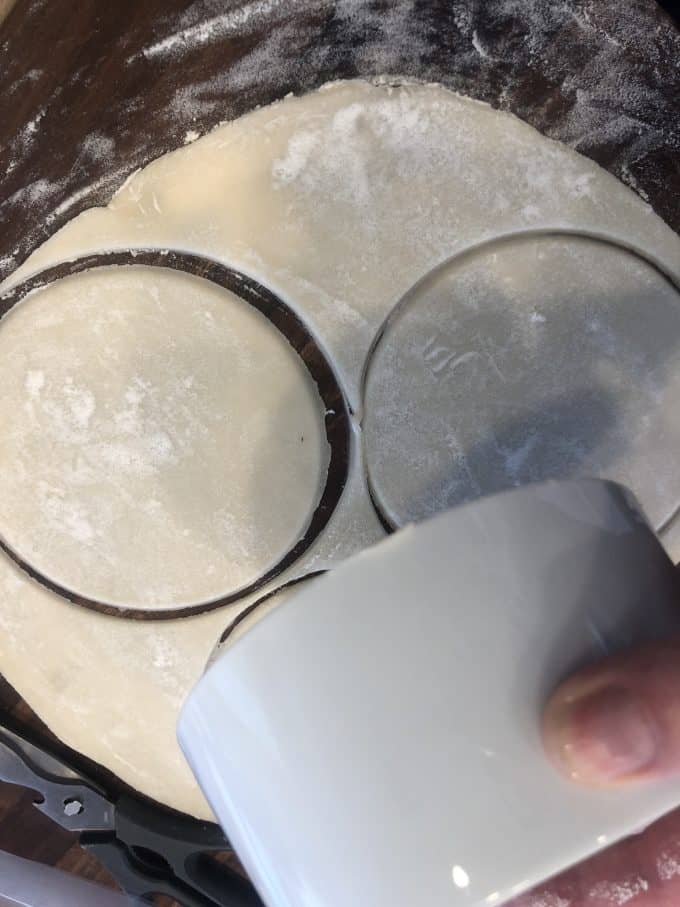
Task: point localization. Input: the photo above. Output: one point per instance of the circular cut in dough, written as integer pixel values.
(528, 358)
(256, 612)
(163, 444)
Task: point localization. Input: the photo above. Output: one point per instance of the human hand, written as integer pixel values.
(618, 723)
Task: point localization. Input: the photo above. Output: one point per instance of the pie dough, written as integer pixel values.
(163, 444)
(339, 202)
(532, 358)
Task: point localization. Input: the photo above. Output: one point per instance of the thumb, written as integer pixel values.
(618, 721)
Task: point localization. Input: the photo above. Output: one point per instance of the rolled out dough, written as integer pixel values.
(339, 201)
(163, 444)
(537, 357)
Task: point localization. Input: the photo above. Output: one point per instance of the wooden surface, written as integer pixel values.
(88, 94)
(5, 7)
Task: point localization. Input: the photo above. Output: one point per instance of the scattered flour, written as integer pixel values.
(31, 194)
(619, 893)
(477, 44)
(112, 178)
(31, 127)
(300, 149)
(668, 862)
(213, 29)
(35, 381)
(630, 180)
(98, 145)
(601, 82)
(544, 899)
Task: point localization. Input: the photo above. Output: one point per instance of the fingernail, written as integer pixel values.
(606, 736)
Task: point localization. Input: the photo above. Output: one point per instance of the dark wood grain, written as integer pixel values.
(82, 106)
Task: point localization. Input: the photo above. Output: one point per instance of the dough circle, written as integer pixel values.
(530, 358)
(339, 201)
(163, 444)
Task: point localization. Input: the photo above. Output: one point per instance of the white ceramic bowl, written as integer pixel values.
(375, 740)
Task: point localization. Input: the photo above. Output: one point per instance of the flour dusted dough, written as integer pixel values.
(163, 444)
(339, 201)
(537, 357)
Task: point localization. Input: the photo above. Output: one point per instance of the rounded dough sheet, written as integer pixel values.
(339, 201)
(163, 444)
(533, 358)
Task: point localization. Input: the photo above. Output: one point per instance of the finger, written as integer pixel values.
(618, 721)
(643, 871)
